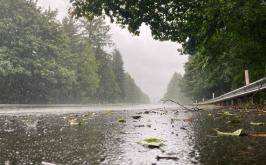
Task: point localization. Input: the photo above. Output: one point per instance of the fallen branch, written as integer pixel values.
(186, 108)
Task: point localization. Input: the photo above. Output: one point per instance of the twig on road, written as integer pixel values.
(184, 107)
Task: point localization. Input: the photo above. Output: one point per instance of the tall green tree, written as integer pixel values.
(83, 62)
(31, 52)
(96, 31)
(108, 90)
(118, 69)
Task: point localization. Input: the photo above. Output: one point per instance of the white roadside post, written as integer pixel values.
(247, 82)
(246, 77)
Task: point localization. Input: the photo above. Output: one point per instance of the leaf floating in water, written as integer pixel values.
(226, 113)
(73, 122)
(151, 143)
(235, 133)
(121, 120)
(256, 124)
(152, 140)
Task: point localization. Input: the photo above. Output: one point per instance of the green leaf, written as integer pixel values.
(152, 140)
(226, 113)
(74, 122)
(151, 143)
(121, 120)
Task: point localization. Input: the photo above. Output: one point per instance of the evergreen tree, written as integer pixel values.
(83, 62)
(108, 90)
(96, 31)
(118, 69)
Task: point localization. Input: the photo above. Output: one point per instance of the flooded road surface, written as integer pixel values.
(113, 135)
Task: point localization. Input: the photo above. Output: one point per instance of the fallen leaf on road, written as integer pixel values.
(121, 120)
(73, 122)
(256, 124)
(152, 143)
(235, 133)
(47, 163)
(226, 113)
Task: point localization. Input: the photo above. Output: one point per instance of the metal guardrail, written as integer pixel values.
(245, 90)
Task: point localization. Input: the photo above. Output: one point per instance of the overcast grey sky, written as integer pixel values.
(151, 63)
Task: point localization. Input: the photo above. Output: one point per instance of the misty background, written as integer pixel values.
(151, 63)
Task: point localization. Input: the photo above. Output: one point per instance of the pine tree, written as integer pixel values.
(118, 69)
(108, 90)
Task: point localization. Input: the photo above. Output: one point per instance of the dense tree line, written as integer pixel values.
(222, 37)
(174, 91)
(132, 90)
(43, 60)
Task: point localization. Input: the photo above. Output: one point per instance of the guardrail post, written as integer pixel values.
(212, 95)
(246, 77)
(232, 102)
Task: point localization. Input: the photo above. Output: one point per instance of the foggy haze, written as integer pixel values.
(151, 63)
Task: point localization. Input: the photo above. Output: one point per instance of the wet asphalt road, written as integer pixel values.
(97, 137)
